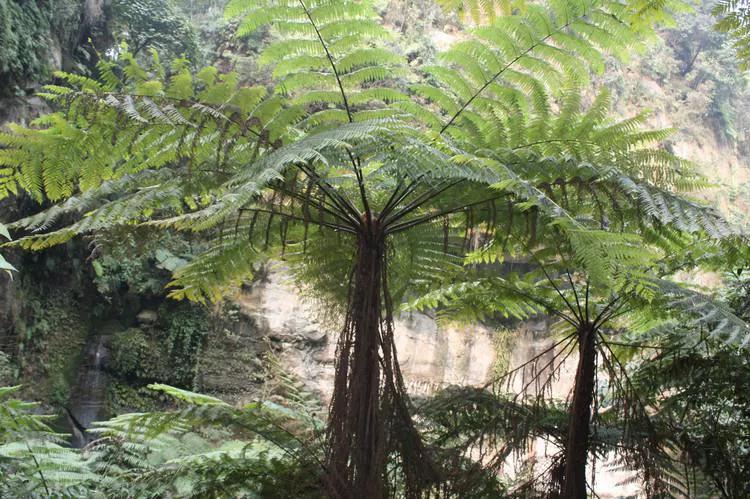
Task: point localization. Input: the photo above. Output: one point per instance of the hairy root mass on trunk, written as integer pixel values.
(369, 425)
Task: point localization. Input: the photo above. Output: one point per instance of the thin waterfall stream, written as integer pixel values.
(89, 396)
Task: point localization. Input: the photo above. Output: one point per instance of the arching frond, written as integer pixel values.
(518, 60)
(328, 56)
(34, 460)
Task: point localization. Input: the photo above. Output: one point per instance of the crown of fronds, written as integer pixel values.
(259, 172)
(604, 267)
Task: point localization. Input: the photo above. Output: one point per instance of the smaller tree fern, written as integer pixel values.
(692, 388)
(604, 291)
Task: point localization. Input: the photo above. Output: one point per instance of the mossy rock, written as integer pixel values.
(51, 338)
(136, 355)
(124, 398)
(164, 350)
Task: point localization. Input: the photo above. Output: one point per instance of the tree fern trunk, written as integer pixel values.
(356, 438)
(576, 451)
(369, 418)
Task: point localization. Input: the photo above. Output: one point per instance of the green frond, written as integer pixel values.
(734, 19)
(209, 274)
(603, 255)
(327, 52)
(34, 461)
(537, 50)
(105, 134)
(4, 264)
(186, 396)
(708, 314)
(482, 10)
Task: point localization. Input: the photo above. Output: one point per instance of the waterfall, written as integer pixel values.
(88, 397)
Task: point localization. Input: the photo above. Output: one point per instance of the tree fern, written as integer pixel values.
(597, 285)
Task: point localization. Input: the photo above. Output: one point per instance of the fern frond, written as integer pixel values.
(734, 19)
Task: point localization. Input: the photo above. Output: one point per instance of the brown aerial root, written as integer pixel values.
(369, 420)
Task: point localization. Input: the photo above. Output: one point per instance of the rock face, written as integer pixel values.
(7, 302)
(431, 356)
(434, 356)
(231, 364)
(532, 340)
(147, 317)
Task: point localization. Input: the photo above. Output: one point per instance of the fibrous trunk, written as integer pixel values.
(576, 448)
(369, 419)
